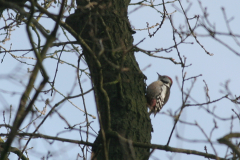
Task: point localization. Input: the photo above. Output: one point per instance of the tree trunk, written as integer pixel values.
(118, 82)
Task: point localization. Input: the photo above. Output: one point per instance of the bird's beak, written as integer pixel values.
(159, 74)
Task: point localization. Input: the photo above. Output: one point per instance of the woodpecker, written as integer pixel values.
(158, 93)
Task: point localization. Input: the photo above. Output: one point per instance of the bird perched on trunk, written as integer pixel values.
(158, 93)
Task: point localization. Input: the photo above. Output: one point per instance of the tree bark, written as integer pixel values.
(118, 82)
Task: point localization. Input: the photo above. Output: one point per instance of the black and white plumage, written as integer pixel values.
(158, 93)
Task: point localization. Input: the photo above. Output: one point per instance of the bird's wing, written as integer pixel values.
(160, 99)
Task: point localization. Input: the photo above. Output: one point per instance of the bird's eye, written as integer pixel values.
(164, 81)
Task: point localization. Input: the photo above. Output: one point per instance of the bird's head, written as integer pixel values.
(165, 79)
